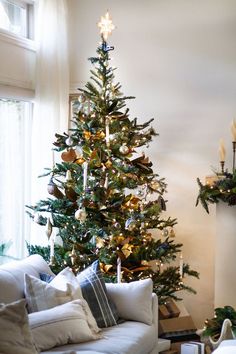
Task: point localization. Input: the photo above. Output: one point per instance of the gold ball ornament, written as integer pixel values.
(81, 215)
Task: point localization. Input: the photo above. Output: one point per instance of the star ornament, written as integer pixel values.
(106, 26)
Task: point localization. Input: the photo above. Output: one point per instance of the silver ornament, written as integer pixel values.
(79, 151)
(130, 224)
(81, 215)
(69, 141)
(165, 232)
(68, 176)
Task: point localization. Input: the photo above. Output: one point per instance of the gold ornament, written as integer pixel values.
(69, 156)
(154, 185)
(80, 161)
(106, 26)
(48, 228)
(87, 135)
(124, 150)
(132, 203)
(108, 164)
(99, 135)
(127, 250)
(172, 233)
(105, 267)
(99, 242)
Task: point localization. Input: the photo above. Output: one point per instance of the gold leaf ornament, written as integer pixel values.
(105, 267)
(127, 250)
(87, 135)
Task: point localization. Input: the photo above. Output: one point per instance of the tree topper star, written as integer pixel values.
(106, 26)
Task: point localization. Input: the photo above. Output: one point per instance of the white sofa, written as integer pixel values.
(226, 347)
(129, 337)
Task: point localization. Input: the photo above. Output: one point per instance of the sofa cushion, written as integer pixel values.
(127, 338)
(133, 300)
(15, 335)
(94, 291)
(67, 323)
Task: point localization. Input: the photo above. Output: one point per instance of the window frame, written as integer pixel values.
(14, 38)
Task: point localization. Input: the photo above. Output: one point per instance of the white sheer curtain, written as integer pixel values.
(52, 94)
(15, 127)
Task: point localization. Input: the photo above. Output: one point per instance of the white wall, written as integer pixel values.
(17, 66)
(178, 59)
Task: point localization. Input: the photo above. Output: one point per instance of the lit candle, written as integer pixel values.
(107, 132)
(53, 159)
(118, 270)
(106, 182)
(51, 246)
(85, 167)
(233, 130)
(222, 151)
(181, 265)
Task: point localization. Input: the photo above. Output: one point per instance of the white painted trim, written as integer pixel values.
(13, 39)
(9, 81)
(16, 93)
(74, 86)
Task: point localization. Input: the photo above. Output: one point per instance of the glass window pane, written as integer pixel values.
(13, 17)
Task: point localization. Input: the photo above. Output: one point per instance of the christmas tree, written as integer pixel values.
(105, 198)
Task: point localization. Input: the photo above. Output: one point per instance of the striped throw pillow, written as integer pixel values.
(94, 291)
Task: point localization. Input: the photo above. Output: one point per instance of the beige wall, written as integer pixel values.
(178, 57)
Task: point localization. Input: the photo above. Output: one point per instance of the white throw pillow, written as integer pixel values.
(133, 300)
(41, 295)
(64, 324)
(15, 335)
(66, 276)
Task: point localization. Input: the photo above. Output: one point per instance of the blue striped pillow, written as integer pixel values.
(94, 291)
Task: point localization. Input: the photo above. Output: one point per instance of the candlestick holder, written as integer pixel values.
(234, 149)
(222, 164)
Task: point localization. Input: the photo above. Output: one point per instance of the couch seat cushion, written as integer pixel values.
(126, 338)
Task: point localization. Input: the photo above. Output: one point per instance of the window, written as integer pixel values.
(15, 148)
(16, 17)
